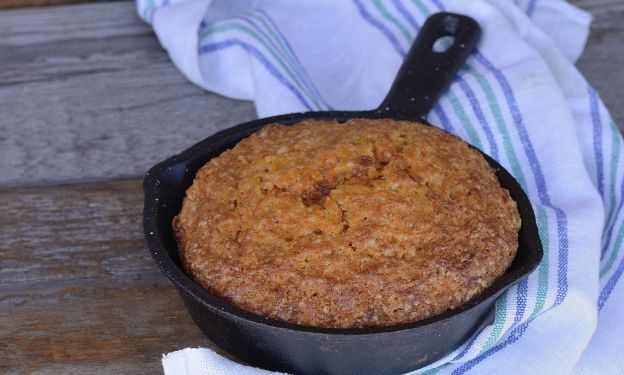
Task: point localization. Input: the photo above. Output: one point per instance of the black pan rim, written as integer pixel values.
(185, 284)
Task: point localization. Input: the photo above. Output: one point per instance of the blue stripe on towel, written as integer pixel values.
(207, 48)
(381, 27)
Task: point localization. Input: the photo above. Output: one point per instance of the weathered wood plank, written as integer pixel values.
(7, 4)
(71, 232)
(87, 93)
(32, 27)
(603, 58)
(93, 325)
(78, 290)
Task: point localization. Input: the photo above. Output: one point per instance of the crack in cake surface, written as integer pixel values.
(366, 223)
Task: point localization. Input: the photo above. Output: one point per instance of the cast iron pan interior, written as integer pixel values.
(276, 345)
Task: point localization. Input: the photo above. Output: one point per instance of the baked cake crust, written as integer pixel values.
(368, 223)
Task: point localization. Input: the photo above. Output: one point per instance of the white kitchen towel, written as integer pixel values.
(518, 98)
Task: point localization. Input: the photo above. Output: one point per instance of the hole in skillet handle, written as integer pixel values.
(428, 68)
(443, 44)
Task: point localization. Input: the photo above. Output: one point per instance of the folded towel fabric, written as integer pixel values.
(518, 98)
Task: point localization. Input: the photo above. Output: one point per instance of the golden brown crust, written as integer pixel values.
(366, 223)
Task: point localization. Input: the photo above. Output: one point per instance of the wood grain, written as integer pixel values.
(603, 58)
(7, 4)
(87, 93)
(79, 292)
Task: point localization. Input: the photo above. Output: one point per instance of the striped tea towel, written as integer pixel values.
(519, 98)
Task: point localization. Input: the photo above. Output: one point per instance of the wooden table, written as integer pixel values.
(81, 119)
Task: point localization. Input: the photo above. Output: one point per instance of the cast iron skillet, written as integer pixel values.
(276, 345)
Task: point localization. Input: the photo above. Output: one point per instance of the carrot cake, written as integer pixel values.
(366, 223)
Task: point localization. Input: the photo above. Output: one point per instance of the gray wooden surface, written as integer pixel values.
(602, 62)
(79, 101)
(78, 291)
(87, 93)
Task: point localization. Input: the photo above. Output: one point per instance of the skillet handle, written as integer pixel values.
(426, 74)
